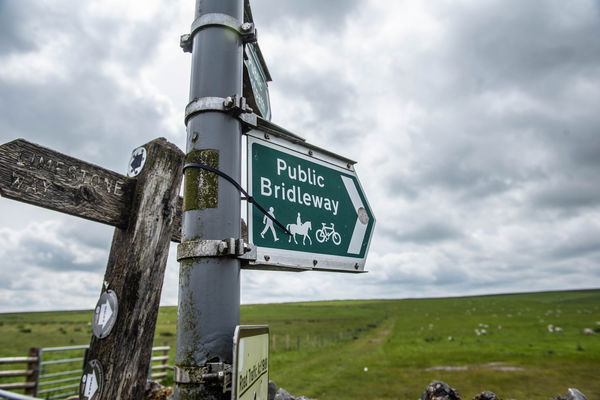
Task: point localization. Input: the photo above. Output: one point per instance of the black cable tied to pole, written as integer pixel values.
(247, 197)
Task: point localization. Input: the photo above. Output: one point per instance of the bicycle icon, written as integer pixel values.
(325, 232)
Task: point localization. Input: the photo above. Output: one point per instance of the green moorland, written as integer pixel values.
(391, 349)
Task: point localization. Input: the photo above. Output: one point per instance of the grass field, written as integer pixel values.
(391, 349)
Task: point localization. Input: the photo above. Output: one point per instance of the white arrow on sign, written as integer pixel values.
(360, 228)
(105, 313)
(91, 385)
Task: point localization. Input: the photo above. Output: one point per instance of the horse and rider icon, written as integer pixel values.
(302, 228)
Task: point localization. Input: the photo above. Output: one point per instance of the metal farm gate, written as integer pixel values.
(55, 372)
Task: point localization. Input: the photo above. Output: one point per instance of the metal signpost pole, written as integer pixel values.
(209, 287)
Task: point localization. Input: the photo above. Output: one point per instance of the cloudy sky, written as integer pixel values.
(475, 124)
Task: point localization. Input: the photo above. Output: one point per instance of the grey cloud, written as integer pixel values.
(401, 284)
(332, 122)
(581, 143)
(467, 178)
(5, 283)
(95, 111)
(567, 195)
(529, 44)
(87, 234)
(14, 33)
(470, 160)
(478, 161)
(398, 278)
(328, 94)
(507, 130)
(50, 258)
(427, 233)
(329, 15)
(89, 102)
(493, 51)
(450, 275)
(398, 184)
(582, 247)
(72, 247)
(505, 138)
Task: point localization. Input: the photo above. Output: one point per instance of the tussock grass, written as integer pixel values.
(391, 349)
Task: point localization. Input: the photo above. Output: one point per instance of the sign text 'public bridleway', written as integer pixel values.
(316, 195)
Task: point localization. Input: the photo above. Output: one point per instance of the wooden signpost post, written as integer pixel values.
(146, 211)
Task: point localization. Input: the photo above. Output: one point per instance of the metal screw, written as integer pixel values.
(267, 136)
(267, 258)
(194, 136)
(185, 42)
(310, 152)
(246, 26)
(315, 262)
(363, 216)
(348, 165)
(228, 102)
(356, 266)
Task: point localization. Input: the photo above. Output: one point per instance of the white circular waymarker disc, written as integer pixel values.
(137, 161)
(105, 314)
(92, 381)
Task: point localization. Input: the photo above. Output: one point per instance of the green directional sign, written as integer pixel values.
(316, 196)
(258, 78)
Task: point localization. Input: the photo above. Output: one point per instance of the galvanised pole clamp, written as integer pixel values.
(235, 105)
(246, 30)
(209, 373)
(216, 248)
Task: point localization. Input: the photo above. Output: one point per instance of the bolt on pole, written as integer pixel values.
(209, 287)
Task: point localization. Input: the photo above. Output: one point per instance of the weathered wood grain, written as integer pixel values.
(33, 380)
(46, 178)
(135, 273)
(176, 235)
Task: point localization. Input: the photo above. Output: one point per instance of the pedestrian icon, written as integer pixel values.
(269, 224)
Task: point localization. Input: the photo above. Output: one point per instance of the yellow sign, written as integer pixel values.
(251, 363)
